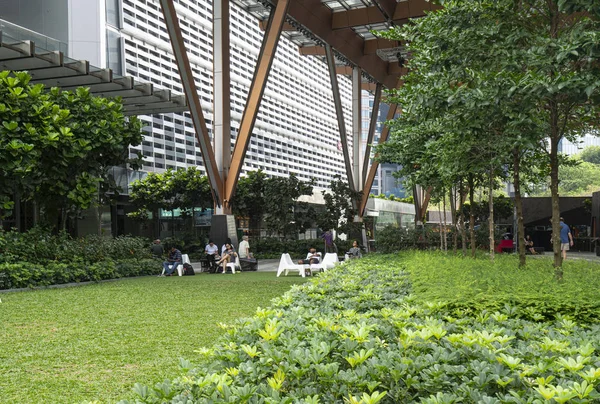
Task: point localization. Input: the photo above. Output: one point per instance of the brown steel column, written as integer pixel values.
(371, 135)
(357, 127)
(222, 93)
(191, 93)
(373, 170)
(261, 74)
(340, 113)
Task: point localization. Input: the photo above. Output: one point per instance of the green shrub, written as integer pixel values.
(39, 246)
(357, 334)
(27, 275)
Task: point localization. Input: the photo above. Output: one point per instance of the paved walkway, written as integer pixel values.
(268, 265)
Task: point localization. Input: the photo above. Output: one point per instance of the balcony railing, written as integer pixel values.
(16, 32)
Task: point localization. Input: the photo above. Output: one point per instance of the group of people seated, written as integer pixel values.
(314, 257)
(227, 254)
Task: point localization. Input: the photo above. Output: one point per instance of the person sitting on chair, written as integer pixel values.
(212, 253)
(529, 245)
(227, 257)
(313, 257)
(354, 252)
(173, 261)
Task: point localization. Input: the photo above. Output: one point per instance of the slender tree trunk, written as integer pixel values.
(554, 139)
(461, 218)
(519, 207)
(454, 219)
(491, 208)
(472, 215)
(445, 221)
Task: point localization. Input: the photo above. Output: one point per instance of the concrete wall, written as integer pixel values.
(87, 34)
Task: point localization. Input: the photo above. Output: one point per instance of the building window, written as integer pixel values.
(114, 55)
(113, 13)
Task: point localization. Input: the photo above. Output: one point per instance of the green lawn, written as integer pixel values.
(94, 342)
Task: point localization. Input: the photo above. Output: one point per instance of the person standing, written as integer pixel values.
(173, 261)
(244, 248)
(566, 238)
(157, 249)
(328, 238)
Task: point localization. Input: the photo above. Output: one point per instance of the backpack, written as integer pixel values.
(188, 269)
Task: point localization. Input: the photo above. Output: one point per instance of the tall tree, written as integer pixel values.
(249, 198)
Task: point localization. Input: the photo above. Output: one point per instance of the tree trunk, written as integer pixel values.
(554, 139)
(519, 207)
(491, 207)
(472, 215)
(454, 219)
(445, 222)
(461, 219)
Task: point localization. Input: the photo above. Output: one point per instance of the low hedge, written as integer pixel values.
(28, 275)
(39, 246)
(357, 335)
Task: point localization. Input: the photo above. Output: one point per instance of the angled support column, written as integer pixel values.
(222, 93)
(340, 113)
(261, 74)
(191, 93)
(356, 127)
(373, 170)
(371, 135)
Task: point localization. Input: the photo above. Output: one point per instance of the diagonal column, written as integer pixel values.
(371, 135)
(261, 74)
(191, 93)
(373, 170)
(356, 126)
(340, 113)
(222, 93)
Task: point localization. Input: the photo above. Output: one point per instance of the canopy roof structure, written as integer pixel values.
(347, 25)
(54, 69)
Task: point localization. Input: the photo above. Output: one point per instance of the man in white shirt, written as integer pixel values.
(212, 252)
(244, 248)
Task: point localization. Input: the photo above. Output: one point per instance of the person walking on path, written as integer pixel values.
(566, 238)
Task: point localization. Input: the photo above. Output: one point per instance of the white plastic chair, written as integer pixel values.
(286, 263)
(185, 259)
(234, 265)
(329, 261)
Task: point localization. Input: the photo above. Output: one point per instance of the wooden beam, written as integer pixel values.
(311, 50)
(387, 6)
(287, 27)
(373, 170)
(191, 93)
(369, 86)
(373, 15)
(372, 45)
(317, 18)
(343, 70)
(257, 88)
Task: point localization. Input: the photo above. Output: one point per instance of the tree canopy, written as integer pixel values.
(56, 147)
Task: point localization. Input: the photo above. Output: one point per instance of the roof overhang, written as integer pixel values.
(53, 69)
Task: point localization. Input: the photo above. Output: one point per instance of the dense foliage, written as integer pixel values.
(56, 147)
(39, 246)
(24, 274)
(358, 334)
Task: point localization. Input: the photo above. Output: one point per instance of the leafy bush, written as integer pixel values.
(392, 239)
(27, 274)
(357, 335)
(38, 246)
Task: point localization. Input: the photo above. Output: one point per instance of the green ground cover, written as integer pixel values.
(475, 285)
(94, 342)
(361, 334)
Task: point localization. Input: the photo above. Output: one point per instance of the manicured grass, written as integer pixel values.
(94, 342)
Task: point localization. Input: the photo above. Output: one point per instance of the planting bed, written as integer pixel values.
(361, 334)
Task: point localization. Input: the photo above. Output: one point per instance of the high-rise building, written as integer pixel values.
(296, 130)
